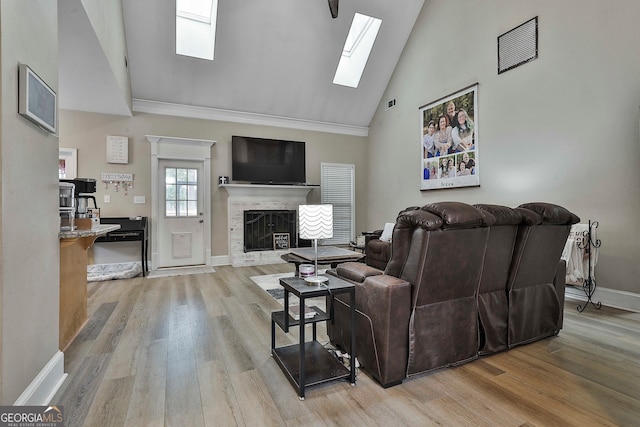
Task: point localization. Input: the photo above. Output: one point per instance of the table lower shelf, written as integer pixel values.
(320, 365)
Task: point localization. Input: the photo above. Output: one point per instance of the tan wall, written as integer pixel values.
(29, 249)
(562, 129)
(88, 131)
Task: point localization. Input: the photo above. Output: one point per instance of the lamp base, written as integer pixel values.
(315, 280)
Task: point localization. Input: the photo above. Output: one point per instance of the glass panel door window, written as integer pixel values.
(181, 192)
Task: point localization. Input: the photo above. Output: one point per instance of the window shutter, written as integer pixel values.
(337, 187)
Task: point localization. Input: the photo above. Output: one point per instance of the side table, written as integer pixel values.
(309, 363)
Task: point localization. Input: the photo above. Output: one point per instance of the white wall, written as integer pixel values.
(29, 224)
(107, 21)
(561, 129)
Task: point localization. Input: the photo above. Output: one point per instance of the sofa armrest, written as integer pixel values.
(559, 281)
(386, 302)
(356, 271)
(371, 235)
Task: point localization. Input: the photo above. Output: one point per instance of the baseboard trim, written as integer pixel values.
(45, 385)
(220, 260)
(609, 297)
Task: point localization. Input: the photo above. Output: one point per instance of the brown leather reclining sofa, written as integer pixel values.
(462, 281)
(377, 252)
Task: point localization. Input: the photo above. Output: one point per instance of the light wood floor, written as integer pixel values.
(194, 350)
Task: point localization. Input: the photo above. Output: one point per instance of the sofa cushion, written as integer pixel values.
(356, 271)
(502, 215)
(457, 214)
(552, 214)
(529, 217)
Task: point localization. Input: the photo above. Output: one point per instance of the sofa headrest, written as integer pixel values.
(488, 219)
(458, 215)
(529, 217)
(503, 215)
(552, 214)
(417, 218)
(408, 209)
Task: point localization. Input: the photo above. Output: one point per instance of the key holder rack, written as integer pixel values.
(118, 180)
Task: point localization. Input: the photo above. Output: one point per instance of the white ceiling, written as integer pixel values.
(274, 58)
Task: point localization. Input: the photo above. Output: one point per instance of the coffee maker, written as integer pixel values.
(84, 190)
(67, 206)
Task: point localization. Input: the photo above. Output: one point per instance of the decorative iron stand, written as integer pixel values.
(589, 285)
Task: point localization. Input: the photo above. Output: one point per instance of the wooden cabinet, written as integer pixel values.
(73, 280)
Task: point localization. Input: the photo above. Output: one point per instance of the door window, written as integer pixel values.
(181, 192)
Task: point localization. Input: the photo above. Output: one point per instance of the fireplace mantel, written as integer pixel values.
(266, 190)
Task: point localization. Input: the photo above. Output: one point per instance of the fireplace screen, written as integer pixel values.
(260, 226)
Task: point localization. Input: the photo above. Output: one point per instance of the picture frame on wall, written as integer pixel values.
(449, 141)
(67, 163)
(36, 100)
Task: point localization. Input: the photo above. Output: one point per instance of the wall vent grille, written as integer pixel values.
(518, 46)
(390, 104)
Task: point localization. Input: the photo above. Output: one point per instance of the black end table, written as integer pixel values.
(309, 363)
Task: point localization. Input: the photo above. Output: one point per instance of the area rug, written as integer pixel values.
(271, 284)
(114, 271)
(179, 271)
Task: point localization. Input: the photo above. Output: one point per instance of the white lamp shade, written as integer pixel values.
(315, 221)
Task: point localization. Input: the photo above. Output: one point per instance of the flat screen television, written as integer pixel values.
(267, 161)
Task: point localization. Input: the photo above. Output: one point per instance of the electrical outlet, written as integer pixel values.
(107, 198)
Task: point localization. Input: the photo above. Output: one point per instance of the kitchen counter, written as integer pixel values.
(73, 279)
(96, 231)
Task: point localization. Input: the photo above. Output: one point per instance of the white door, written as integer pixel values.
(181, 216)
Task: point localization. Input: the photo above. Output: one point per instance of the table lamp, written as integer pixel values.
(315, 222)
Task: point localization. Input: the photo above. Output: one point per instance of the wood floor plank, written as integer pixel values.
(107, 341)
(220, 405)
(281, 392)
(97, 321)
(256, 404)
(147, 403)
(158, 294)
(195, 350)
(231, 345)
(183, 402)
(111, 402)
(78, 396)
(542, 408)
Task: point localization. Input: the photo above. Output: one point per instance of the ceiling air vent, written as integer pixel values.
(390, 104)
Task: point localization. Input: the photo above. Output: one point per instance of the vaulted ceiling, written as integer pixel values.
(273, 58)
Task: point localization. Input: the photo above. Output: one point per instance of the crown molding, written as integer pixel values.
(179, 110)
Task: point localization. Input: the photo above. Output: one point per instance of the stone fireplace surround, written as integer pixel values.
(244, 197)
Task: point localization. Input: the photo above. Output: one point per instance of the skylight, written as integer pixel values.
(356, 51)
(196, 28)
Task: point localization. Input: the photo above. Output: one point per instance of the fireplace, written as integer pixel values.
(249, 197)
(260, 226)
